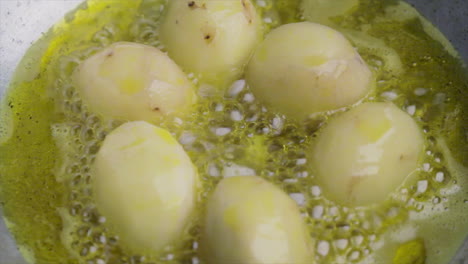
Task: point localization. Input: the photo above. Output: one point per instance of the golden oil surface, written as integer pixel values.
(48, 140)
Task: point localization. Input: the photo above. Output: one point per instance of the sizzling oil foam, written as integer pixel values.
(48, 140)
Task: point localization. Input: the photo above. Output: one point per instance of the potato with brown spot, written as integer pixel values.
(130, 81)
(211, 38)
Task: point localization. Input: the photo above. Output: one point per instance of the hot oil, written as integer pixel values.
(47, 157)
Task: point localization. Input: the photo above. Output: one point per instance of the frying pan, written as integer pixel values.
(24, 21)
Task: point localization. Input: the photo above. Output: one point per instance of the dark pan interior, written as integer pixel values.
(451, 18)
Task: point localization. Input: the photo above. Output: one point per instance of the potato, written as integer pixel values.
(131, 82)
(210, 37)
(363, 155)
(305, 68)
(145, 185)
(249, 220)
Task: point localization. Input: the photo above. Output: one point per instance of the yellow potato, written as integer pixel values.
(249, 220)
(131, 81)
(145, 185)
(363, 155)
(305, 68)
(210, 37)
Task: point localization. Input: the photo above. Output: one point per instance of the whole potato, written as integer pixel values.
(249, 220)
(130, 81)
(209, 37)
(363, 155)
(145, 185)
(305, 68)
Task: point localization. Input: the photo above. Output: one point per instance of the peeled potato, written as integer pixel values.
(145, 185)
(306, 68)
(130, 81)
(210, 37)
(249, 220)
(363, 155)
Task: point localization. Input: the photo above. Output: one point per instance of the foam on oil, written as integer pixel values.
(51, 139)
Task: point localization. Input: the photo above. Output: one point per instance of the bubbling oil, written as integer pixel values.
(231, 133)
